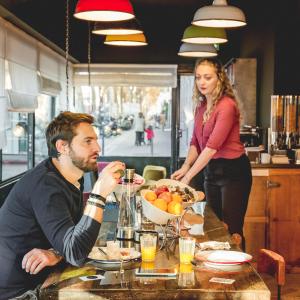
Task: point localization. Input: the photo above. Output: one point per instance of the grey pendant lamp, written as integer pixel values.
(204, 35)
(197, 50)
(219, 14)
(131, 26)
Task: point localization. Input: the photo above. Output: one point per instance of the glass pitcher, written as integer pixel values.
(127, 210)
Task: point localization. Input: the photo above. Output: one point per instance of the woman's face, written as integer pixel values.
(206, 79)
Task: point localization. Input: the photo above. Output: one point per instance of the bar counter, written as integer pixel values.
(66, 283)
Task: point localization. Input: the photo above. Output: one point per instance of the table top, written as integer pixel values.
(190, 283)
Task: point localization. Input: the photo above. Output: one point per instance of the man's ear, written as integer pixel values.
(61, 146)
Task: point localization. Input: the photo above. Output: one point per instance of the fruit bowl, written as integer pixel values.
(170, 183)
(155, 214)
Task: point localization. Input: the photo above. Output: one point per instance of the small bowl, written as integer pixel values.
(153, 213)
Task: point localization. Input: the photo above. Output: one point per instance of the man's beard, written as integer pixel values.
(81, 164)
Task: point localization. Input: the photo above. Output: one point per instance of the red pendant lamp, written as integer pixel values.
(104, 10)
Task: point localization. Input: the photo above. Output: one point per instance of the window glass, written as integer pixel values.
(186, 113)
(131, 120)
(43, 116)
(14, 153)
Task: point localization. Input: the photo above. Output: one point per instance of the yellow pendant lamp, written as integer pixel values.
(126, 40)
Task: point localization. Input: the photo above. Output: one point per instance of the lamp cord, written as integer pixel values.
(67, 53)
(89, 66)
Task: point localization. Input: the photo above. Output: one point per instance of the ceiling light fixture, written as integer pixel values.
(126, 40)
(104, 10)
(197, 50)
(116, 28)
(219, 14)
(204, 35)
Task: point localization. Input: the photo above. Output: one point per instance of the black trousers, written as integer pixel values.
(227, 185)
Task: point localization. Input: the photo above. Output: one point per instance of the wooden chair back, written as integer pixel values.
(272, 263)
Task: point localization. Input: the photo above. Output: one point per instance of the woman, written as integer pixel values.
(216, 147)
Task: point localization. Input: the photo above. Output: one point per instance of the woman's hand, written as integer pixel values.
(37, 259)
(108, 178)
(177, 175)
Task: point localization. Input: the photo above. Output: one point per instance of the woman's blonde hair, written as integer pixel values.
(223, 87)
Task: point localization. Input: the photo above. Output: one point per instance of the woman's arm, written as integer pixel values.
(190, 159)
(203, 159)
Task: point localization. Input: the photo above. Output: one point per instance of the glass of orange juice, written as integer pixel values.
(186, 249)
(148, 246)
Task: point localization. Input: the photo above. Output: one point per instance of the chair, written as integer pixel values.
(153, 173)
(272, 263)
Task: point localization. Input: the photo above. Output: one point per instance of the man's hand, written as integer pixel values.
(37, 259)
(108, 178)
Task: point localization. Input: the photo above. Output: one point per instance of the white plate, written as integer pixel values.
(223, 257)
(98, 256)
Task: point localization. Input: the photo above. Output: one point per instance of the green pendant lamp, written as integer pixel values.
(204, 35)
(197, 50)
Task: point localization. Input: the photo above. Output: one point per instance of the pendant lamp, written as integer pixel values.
(219, 14)
(204, 35)
(104, 10)
(197, 50)
(131, 26)
(126, 40)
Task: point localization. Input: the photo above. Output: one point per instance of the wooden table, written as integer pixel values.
(66, 284)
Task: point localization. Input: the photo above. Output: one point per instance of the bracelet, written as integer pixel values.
(96, 196)
(56, 253)
(95, 204)
(96, 201)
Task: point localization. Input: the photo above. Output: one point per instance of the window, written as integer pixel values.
(15, 151)
(131, 120)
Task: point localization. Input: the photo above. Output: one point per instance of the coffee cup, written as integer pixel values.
(265, 158)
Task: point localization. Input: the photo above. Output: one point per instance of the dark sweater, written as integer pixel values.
(44, 211)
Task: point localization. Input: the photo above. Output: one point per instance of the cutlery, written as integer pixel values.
(102, 251)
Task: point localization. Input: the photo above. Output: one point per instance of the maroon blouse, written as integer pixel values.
(221, 131)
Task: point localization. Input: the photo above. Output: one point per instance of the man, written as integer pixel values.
(44, 210)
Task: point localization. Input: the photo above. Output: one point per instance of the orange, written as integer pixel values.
(161, 204)
(176, 197)
(175, 207)
(167, 196)
(150, 196)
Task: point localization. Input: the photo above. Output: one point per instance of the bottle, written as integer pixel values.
(127, 210)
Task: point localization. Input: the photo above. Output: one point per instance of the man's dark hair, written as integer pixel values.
(63, 128)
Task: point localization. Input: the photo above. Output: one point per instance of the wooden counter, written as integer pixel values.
(66, 284)
(273, 215)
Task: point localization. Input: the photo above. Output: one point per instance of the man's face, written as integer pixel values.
(84, 148)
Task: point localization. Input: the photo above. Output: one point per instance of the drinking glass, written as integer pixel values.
(148, 246)
(186, 276)
(186, 249)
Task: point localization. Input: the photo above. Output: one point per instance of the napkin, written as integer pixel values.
(196, 229)
(214, 245)
(199, 207)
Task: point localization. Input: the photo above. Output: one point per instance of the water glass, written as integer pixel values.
(148, 246)
(186, 249)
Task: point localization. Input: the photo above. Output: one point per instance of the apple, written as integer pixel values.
(161, 189)
(167, 196)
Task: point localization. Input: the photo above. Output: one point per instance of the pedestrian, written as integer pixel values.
(139, 129)
(150, 134)
(216, 147)
(43, 221)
